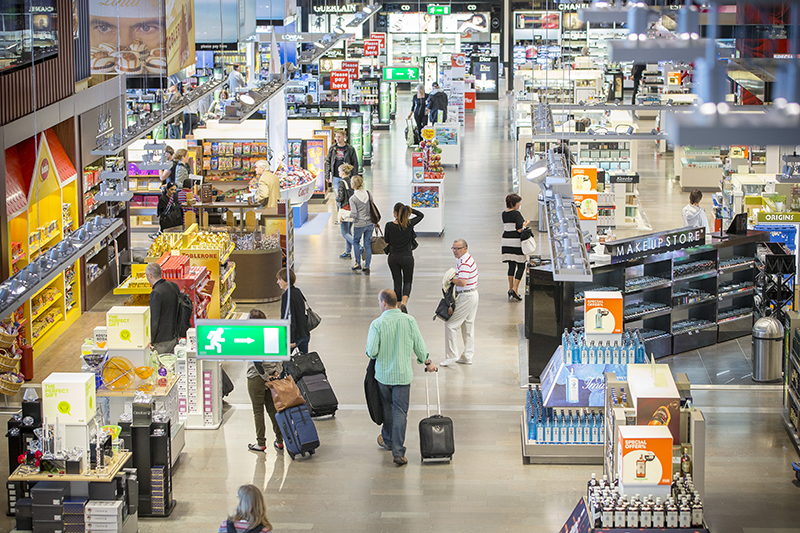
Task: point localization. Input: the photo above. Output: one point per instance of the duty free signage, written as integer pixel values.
(243, 340)
(655, 243)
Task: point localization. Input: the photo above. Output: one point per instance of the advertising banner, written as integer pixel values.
(587, 205)
(644, 462)
(126, 37)
(584, 179)
(566, 385)
(180, 35)
(602, 312)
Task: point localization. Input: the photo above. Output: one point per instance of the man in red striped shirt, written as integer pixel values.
(463, 318)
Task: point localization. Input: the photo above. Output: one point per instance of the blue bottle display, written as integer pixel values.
(548, 425)
(577, 351)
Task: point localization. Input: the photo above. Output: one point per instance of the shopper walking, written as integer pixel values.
(344, 215)
(418, 102)
(163, 310)
(513, 224)
(258, 373)
(235, 81)
(339, 154)
(182, 169)
(250, 515)
(463, 318)
(394, 340)
(165, 174)
(693, 215)
(269, 185)
(401, 241)
(169, 210)
(437, 101)
(362, 224)
(637, 71)
(300, 336)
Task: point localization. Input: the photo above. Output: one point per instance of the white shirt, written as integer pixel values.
(235, 80)
(467, 270)
(695, 217)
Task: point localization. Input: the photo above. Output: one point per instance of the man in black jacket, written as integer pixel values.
(437, 101)
(339, 154)
(163, 310)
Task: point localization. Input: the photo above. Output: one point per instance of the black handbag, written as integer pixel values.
(447, 305)
(373, 394)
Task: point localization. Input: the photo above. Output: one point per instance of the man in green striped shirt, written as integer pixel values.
(394, 340)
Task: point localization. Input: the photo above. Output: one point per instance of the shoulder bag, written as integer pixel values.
(527, 241)
(312, 318)
(377, 242)
(374, 214)
(285, 393)
(447, 305)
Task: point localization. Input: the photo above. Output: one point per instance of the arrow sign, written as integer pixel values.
(243, 340)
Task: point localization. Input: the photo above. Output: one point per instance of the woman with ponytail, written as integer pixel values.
(400, 243)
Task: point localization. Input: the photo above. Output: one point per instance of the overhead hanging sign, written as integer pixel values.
(401, 73)
(380, 37)
(655, 243)
(352, 68)
(438, 10)
(372, 47)
(243, 340)
(340, 79)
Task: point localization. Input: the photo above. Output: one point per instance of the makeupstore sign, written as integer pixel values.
(655, 243)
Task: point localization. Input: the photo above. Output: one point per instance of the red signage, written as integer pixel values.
(416, 159)
(379, 36)
(340, 79)
(44, 169)
(469, 100)
(372, 47)
(352, 68)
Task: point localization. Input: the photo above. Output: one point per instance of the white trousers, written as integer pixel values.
(463, 319)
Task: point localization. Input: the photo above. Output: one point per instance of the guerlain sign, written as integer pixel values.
(655, 243)
(347, 8)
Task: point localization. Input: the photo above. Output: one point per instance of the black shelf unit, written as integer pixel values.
(552, 306)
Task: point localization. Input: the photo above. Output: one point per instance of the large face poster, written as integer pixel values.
(412, 23)
(180, 35)
(127, 37)
(466, 24)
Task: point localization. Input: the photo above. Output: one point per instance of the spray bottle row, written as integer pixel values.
(577, 351)
(547, 426)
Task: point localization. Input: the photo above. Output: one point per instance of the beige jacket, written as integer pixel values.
(269, 189)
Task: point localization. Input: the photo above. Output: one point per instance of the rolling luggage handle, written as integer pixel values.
(438, 398)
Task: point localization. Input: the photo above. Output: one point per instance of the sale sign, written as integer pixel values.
(372, 47)
(587, 205)
(340, 79)
(352, 68)
(379, 36)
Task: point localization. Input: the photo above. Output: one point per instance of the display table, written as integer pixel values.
(701, 172)
(428, 197)
(254, 270)
(449, 139)
(165, 398)
(112, 469)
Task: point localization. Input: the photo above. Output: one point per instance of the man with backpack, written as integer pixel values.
(437, 101)
(165, 308)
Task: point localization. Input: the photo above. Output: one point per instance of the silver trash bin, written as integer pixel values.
(542, 218)
(767, 349)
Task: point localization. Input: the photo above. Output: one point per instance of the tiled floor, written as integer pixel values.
(350, 484)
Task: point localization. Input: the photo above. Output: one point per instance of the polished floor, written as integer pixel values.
(351, 485)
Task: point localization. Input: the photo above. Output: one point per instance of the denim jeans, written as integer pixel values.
(395, 414)
(366, 234)
(302, 344)
(335, 186)
(347, 233)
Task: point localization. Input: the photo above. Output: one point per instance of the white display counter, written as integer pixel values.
(448, 135)
(428, 197)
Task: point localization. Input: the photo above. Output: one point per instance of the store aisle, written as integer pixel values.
(351, 485)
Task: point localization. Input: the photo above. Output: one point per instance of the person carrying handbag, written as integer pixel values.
(513, 225)
(258, 374)
(300, 335)
(365, 218)
(400, 244)
(345, 216)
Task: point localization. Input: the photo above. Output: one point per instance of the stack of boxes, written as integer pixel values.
(73, 515)
(128, 333)
(157, 490)
(48, 506)
(103, 516)
(174, 266)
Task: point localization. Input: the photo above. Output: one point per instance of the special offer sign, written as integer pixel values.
(352, 68)
(340, 79)
(380, 37)
(602, 311)
(372, 47)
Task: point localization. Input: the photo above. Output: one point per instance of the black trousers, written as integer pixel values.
(421, 121)
(402, 267)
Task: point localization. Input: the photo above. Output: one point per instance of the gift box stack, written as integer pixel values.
(48, 505)
(74, 521)
(103, 516)
(157, 490)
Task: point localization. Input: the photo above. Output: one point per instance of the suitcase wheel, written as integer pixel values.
(311, 452)
(291, 455)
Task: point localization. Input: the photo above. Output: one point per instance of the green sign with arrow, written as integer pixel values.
(438, 10)
(401, 73)
(243, 340)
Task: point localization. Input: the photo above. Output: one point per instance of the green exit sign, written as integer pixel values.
(401, 73)
(243, 340)
(438, 10)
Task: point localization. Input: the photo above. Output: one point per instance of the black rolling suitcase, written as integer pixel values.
(436, 432)
(317, 391)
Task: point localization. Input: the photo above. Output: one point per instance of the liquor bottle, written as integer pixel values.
(615, 354)
(562, 428)
(592, 486)
(631, 354)
(641, 468)
(671, 514)
(607, 355)
(697, 512)
(571, 429)
(659, 516)
(584, 353)
(539, 431)
(685, 514)
(608, 514)
(548, 431)
(586, 431)
(661, 417)
(633, 515)
(601, 433)
(646, 515)
(573, 387)
(604, 482)
(620, 514)
(597, 513)
(595, 432)
(592, 353)
(686, 462)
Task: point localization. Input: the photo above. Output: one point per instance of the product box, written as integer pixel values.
(644, 460)
(655, 397)
(100, 336)
(95, 508)
(128, 327)
(53, 513)
(143, 413)
(70, 396)
(49, 493)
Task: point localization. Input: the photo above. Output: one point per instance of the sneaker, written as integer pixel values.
(447, 362)
(356, 267)
(366, 271)
(400, 461)
(383, 444)
(256, 448)
(345, 256)
(278, 445)
(463, 360)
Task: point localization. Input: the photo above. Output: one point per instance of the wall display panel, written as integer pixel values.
(28, 32)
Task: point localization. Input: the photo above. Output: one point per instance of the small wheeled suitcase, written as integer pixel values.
(299, 434)
(436, 432)
(319, 395)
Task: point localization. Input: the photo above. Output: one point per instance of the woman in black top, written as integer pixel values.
(297, 302)
(418, 110)
(169, 209)
(513, 224)
(400, 241)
